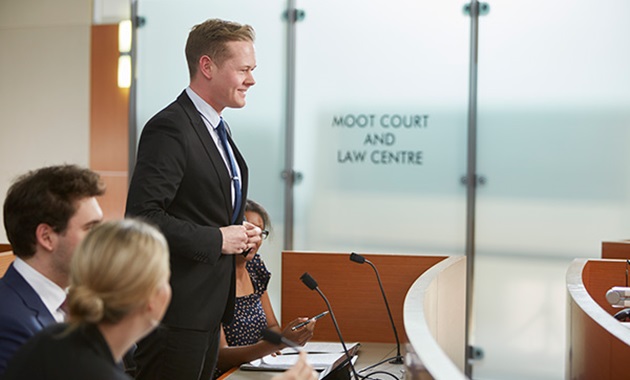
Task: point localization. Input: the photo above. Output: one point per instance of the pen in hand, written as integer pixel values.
(302, 324)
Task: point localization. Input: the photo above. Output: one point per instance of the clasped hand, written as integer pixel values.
(238, 239)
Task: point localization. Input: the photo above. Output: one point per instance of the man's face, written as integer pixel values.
(88, 215)
(231, 80)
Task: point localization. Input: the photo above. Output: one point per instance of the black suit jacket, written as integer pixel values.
(181, 184)
(55, 353)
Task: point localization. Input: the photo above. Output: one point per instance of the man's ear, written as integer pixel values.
(46, 236)
(206, 66)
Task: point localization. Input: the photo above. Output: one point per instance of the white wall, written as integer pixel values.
(44, 86)
(111, 11)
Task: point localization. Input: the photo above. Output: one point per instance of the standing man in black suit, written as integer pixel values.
(193, 186)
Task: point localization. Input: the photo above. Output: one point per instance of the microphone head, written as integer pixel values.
(623, 315)
(308, 281)
(272, 337)
(277, 339)
(357, 258)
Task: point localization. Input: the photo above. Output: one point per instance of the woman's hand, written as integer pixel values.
(300, 335)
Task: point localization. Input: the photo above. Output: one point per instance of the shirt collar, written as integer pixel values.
(207, 112)
(51, 294)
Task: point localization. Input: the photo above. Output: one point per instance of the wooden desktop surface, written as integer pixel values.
(368, 354)
(6, 258)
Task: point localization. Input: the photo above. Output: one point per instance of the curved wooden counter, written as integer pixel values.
(598, 346)
(435, 320)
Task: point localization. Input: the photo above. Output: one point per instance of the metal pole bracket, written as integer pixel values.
(296, 15)
(484, 9)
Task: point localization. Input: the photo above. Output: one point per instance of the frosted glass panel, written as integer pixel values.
(554, 129)
(520, 319)
(259, 127)
(381, 126)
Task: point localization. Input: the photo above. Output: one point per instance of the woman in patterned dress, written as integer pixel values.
(241, 340)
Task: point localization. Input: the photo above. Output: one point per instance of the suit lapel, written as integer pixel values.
(28, 295)
(210, 147)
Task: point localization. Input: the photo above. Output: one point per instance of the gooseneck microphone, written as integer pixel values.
(312, 284)
(398, 359)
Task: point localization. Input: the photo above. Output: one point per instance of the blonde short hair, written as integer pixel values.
(115, 270)
(210, 38)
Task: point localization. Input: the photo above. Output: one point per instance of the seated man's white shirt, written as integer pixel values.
(50, 293)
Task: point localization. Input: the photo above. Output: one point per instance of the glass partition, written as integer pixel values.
(554, 128)
(381, 107)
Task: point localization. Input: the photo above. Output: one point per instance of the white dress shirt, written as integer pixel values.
(50, 293)
(211, 119)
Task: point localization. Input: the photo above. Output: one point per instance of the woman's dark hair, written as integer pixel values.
(253, 206)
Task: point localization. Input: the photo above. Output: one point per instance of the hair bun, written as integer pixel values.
(84, 305)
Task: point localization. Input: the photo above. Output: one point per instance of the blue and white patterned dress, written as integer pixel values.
(249, 317)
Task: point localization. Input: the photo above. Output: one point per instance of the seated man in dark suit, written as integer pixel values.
(47, 212)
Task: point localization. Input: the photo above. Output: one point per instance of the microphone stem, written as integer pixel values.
(343, 344)
(389, 312)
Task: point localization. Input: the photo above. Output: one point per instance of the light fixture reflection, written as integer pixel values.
(124, 36)
(124, 71)
(124, 47)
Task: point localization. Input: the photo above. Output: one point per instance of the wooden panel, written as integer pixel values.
(616, 249)
(353, 292)
(591, 347)
(109, 105)
(109, 124)
(600, 276)
(619, 363)
(115, 197)
(6, 258)
(5, 247)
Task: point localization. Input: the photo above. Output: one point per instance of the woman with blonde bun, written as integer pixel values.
(119, 291)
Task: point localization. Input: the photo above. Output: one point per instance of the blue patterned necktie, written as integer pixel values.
(236, 182)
